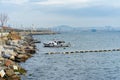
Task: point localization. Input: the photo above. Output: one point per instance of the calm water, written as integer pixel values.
(79, 66)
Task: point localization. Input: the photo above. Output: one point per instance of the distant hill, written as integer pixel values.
(67, 28)
(62, 28)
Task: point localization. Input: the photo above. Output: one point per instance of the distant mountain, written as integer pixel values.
(62, 28)
(67, 28)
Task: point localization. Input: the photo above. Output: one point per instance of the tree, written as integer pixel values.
(3, 19)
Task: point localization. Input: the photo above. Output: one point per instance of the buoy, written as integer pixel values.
(71, 52)
(109, 50)
(46, 53)
(50, 53)
(76, 51)
(114, 50)
(105, 50)
(86, 51)
(118, 49)
(90, 51)
(100, 51)
(81, 51)
(95, 51)
(67, 52)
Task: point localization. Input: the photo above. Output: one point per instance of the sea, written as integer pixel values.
(76, 66)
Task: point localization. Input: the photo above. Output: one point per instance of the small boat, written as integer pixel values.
(36, 41)
(56, 44)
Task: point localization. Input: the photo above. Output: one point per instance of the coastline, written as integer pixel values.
(14, 48)
(39, 33)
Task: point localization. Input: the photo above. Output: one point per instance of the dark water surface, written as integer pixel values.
(79, 66)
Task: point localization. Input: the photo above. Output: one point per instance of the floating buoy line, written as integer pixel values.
(84, 51)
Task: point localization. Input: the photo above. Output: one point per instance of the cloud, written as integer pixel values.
(66, 3)
(79, 3)
(55, 12)
(70, 3)
(18, 2)
(61, 2)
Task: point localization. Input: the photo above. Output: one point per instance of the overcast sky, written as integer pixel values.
(48, 13)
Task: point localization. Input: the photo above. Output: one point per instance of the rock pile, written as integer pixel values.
(14, 49)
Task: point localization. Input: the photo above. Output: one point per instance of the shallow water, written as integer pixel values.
(79, 66)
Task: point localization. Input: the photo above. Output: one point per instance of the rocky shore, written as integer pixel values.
(14, 48)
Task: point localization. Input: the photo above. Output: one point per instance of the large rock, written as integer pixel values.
(9, 62)
(9, 72)
(14, 77)
(2, 78)
(14, 36)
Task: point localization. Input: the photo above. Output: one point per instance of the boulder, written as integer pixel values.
(8, 62)
(14, 77)
(9, 72)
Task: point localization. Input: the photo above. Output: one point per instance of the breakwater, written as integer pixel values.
(84, 51)
(39, 33)
(14, 48)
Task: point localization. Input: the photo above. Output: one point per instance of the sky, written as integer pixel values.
(49, 13)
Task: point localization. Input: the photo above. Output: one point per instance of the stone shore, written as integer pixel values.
(14, 48)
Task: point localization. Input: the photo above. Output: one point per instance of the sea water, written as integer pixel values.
(76, 66)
